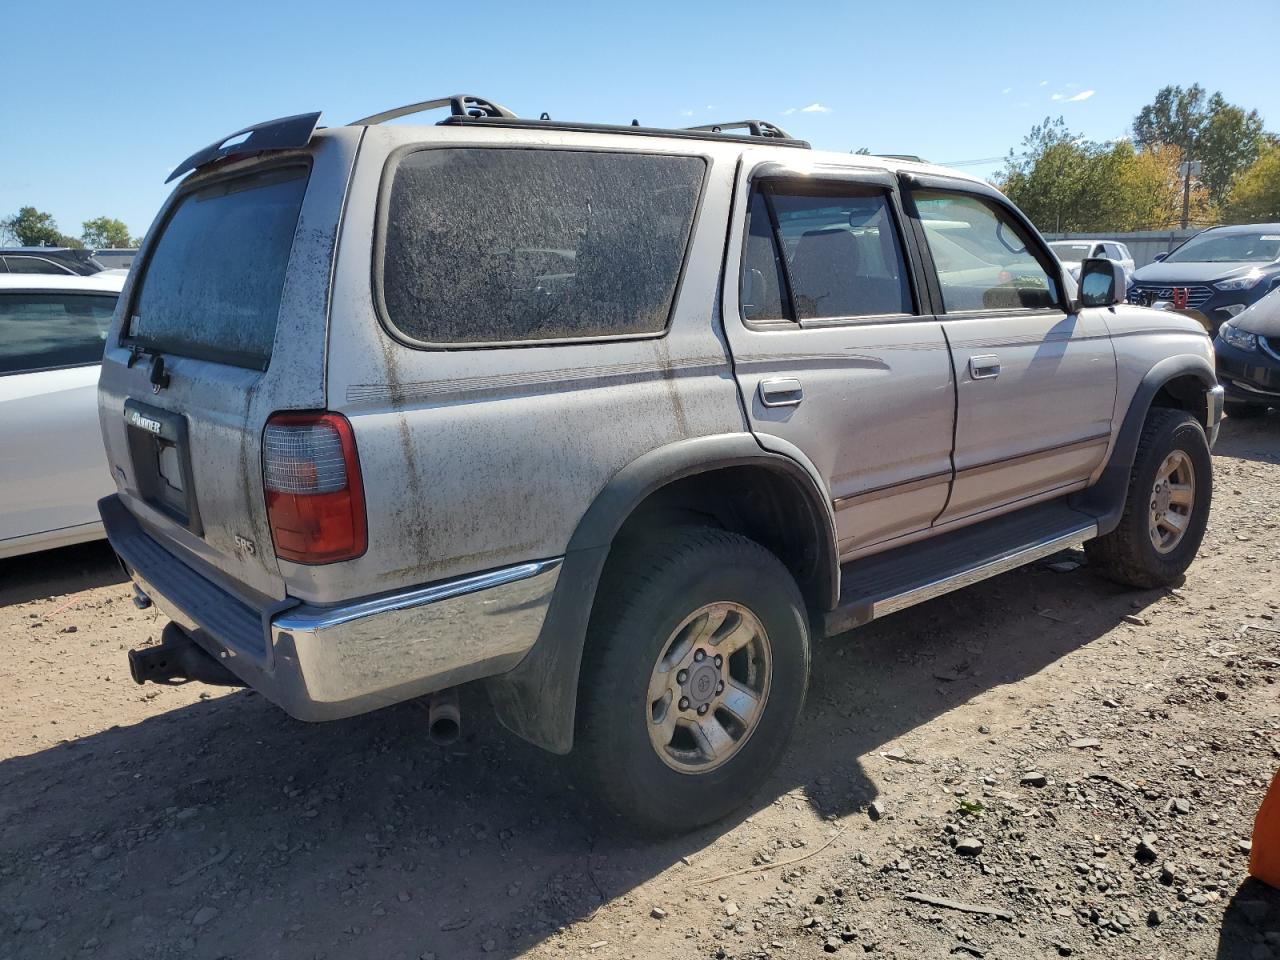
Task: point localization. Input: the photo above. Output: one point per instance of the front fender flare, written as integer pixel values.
(1105, 499)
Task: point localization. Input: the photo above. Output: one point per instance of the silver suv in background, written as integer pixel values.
(1073, 253)
(618, 420)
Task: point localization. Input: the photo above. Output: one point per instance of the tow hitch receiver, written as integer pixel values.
(178, 659)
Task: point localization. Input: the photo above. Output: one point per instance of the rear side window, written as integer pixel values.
(833, 255)
(35, 265)
(500, 246)
(211, 286)
(39, 331)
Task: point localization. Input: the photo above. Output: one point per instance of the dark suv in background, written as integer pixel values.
(1215, 275)
(56, 261)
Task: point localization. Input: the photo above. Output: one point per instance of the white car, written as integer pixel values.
(1073, 252)
(53, 469)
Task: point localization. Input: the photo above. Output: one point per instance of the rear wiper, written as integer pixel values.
(158, 378)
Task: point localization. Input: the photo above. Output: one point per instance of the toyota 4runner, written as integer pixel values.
(617, 420)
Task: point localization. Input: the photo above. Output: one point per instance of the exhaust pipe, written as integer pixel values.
(178, 659)
(444, 718)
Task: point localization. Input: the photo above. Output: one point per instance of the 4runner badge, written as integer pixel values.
(145, 423)
(245, 544)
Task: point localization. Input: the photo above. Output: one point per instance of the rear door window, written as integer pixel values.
(487, 246)
(42, 331)
(212, 283)
(812, 255)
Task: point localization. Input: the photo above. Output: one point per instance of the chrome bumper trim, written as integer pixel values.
(319, 619)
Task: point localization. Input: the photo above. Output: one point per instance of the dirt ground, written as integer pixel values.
(1082, 760)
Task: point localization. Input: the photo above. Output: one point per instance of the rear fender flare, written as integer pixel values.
(538, 698)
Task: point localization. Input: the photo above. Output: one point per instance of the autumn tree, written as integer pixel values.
(1255, 195)
(1222, 136)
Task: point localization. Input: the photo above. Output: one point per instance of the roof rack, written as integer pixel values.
(460, 105)
(757, 128)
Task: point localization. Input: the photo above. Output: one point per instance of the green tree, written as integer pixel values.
(30, 227)
(103, 232)
(1065, 183)
(1255, 196)
(1224, 137)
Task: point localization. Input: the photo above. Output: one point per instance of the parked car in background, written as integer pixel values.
(52, 467)
(55, 261)
(1073, 252)
(1248, 349)
(116, 258)
(1214, 276)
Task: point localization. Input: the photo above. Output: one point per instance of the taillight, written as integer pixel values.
(315, 500)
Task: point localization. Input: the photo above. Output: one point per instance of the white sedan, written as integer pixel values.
(52, 466)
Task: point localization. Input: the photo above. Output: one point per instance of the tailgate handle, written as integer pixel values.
(781, 393)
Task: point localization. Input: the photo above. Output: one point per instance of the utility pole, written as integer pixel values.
(1186, 183)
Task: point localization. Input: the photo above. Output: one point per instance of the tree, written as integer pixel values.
(104, 232)
(1255, 196)
(1222, 136)
(1065, 183)
(30, 227)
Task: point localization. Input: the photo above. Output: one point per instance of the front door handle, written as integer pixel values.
(986, 367)
(781, 393)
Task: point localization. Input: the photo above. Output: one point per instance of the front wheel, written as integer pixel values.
(1166, 508)
(695, 672)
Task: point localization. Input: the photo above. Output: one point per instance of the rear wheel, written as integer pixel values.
(694, 676)
(1243, 411)
(1166, 508)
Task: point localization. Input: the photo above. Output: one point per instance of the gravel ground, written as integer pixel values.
(1080, 762)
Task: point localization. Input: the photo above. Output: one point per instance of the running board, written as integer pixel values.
(890, 581)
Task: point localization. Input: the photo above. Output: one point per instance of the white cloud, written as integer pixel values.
(1082, 95)
(1056, 96)
(1007, 90)
(815, 108)
(1044, 83)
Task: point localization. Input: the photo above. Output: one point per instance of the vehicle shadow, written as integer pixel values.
(51, 573)
(1250, 439)
(1252, 921)
(227, 829)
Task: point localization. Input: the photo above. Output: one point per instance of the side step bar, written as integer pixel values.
(884, 583)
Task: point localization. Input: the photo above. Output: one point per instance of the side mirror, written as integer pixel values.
(1158, 257)
(1102, 282)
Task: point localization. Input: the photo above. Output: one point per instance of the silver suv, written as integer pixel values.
(616, 420)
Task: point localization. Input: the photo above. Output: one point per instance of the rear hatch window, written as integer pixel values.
(487, 246)
(211, 285)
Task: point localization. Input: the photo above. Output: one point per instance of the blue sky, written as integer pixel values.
(120, 93)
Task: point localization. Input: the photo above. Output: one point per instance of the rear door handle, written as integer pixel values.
(781, 393)
(986, 367)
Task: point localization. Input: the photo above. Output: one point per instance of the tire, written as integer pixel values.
(657, 599)
(1129, 554)
(1244, 411)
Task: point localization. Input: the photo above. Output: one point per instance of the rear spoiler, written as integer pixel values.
(287, 133)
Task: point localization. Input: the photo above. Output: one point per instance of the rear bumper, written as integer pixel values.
(323, 663)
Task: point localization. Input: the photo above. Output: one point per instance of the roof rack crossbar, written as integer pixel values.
(757, 128)
(460, 105)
